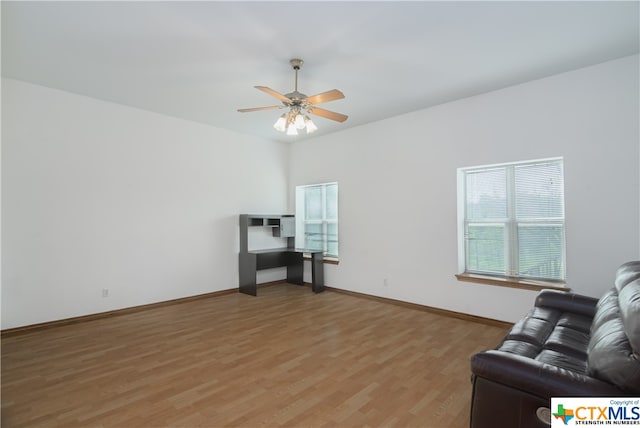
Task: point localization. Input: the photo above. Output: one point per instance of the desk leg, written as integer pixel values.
(247, 270)
(317, 273)
(295, 268)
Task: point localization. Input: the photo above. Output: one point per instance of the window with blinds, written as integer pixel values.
(512, 219)
(317, 218)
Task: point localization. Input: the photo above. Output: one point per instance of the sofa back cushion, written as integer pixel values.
(626, 273)
(627, 285)
(629, 301)
(611, 358)
(614, 346)
(607, 309)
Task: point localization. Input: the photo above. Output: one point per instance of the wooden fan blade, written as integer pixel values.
(325, 97)
(246, 110)
(273, 93)
(338, 117)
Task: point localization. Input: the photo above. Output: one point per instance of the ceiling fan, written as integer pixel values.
(299, 105)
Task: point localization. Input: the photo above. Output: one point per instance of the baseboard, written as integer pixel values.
(437, 311)
(57, 323)
(116, 312)
(74, 320)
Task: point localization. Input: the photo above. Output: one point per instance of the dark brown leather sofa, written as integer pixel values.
(568, 345)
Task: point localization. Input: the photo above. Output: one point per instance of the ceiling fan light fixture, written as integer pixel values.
(291, 130)
(299, 121)
(300, 105)
(311, 127)
(281, 123)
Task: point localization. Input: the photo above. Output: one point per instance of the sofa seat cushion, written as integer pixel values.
(533, 328)
(518, 347)
(551, 337)
(569, 341)
(564, 347)
(576, 322)
(562, 360)
(546, 314)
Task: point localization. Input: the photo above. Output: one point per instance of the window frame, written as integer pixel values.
(324, 221)
(511, 277)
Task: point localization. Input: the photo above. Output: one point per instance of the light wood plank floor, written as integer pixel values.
(285, 358)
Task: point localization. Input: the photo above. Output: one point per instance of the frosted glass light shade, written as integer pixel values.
(291, 130)
(292, 121)
(281, 123)
(311, 127)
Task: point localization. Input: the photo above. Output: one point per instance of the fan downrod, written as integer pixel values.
(296, 96)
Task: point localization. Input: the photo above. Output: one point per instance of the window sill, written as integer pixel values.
(326, 260)
(506, 281)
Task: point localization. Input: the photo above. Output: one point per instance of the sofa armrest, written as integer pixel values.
(567, 302)
(537, 378)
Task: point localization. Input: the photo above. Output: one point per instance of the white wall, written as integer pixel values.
(98, 195)
(397, 178)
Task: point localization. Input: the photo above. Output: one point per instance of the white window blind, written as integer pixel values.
(317, 218)
(513, 223)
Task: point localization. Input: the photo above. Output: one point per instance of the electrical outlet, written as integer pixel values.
(385, 282)
(105, 292)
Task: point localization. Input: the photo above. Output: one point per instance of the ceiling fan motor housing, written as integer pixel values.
(296, 97)
(296, 63)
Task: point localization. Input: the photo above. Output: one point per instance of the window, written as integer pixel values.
(511, 220)
(317, 218)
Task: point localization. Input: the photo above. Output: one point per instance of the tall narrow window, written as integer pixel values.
(317, 218)
(512, 219)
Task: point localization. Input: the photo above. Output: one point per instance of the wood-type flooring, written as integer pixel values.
(288, 357)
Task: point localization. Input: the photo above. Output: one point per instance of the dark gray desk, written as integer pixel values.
(251, 261)
(293, 258)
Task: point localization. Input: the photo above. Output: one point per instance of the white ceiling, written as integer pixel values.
(200, 60)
